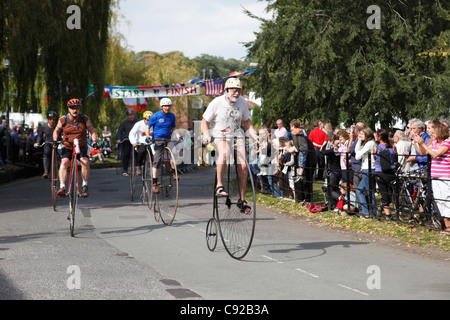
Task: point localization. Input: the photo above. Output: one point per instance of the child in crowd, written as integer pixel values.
(287, 161)
(345, 205)
(302, 149)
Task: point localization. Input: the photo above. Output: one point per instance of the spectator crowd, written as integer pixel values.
(17, 144)
(355, 166)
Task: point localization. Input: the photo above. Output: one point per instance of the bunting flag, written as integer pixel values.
(143, 103)
(247, 72)
(235, 74)
(214, 87)
(196, 80)
(131, 103)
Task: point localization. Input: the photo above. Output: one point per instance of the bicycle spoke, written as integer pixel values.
(168, 188)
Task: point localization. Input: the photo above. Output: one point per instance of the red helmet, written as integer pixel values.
(74, 103)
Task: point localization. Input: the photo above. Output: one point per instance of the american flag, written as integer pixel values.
(214, 87)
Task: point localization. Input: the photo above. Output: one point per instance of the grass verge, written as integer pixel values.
(408, 234)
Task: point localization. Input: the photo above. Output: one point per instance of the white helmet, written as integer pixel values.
(233, 83)
(165, 102)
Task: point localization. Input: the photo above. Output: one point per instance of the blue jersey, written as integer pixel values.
(162, 125)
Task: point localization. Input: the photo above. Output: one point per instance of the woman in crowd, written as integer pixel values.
(347, 173)
(382, 177)
(439, 149)
(334, 173)
(363, 152)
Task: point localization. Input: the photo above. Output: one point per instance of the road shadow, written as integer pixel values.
(300, 251)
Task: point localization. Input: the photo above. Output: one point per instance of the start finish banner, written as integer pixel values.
(120, 93)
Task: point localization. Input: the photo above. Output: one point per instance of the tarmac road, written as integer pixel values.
(120, 252)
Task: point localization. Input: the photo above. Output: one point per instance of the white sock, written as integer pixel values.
(84, 183)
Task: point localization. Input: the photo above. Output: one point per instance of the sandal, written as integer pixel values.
(220, 192)
(245, 208)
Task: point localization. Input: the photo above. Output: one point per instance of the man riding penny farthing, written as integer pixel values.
(234, 204)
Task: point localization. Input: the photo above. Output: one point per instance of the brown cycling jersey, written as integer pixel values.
(74, 129)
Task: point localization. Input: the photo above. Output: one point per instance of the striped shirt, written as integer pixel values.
(440, 166)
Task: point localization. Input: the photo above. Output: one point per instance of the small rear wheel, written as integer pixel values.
(211, 234)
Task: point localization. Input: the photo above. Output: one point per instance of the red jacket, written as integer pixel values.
(318, 136)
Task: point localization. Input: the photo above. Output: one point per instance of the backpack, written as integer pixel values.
(66, 120)
(386, 163)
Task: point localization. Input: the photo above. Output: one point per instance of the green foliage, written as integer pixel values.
(218, 65)
(36, 37)
(319, 60)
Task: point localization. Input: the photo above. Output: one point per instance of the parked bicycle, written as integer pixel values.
(413, 202)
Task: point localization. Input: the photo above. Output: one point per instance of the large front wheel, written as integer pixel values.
(236, 222)
(73, 196)
(167, 198)
(54, 177)
(132, 173)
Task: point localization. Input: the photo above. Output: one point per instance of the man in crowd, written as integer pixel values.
(122, 138)
(46, 135)
(319, 139)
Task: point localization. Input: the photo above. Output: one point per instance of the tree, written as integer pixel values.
(37, 39)
(320, 60)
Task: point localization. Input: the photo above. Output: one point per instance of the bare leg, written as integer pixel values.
(242, 169)
(63, 170)
(221, 165)
(85, 169)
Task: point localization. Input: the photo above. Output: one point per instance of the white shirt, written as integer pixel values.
(365, 153)
(135, 135)
(281, 132)
(224, 118)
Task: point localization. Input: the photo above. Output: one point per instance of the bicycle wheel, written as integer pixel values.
(235, 226)
(403, 205)
(147, 180)
(132, 174)
(54, 178)
(73, 196)
(434, 217)
(167, 198)
(211, 234)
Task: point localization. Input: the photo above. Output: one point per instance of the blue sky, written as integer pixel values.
(214, 27)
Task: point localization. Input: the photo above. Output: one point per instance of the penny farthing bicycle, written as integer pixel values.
(165, 203)
(233, 219)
